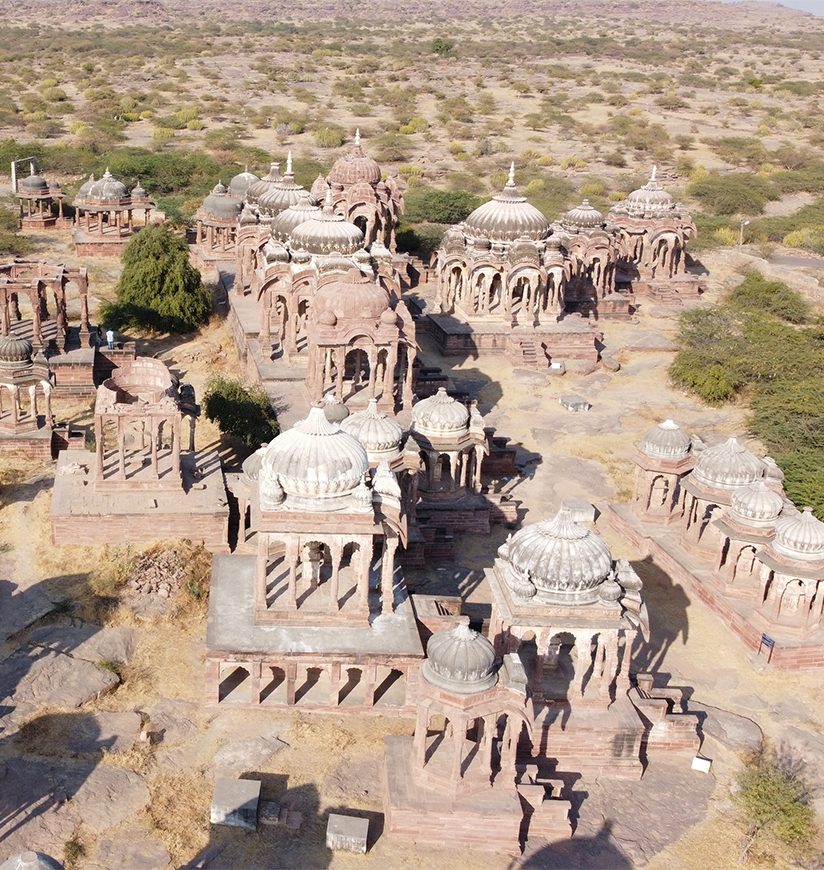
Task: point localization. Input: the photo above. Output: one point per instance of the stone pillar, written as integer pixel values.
(419, 740)
(458, 740)
(335, 552)
(291, 678)
(411, 353)
(98, 443)
(390, 545)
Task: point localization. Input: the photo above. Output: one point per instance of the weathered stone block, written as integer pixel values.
(349, 833)
(235, 803)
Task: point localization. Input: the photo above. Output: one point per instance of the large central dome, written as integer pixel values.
(507, 217)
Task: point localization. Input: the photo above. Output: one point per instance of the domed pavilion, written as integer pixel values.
(216, 225)
(25, 425)
(40, 201)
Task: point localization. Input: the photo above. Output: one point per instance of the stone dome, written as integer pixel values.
(667, 440)
(352, 296)
(440, 416)
(651, 200)
(379, 433)
(355, 167)
(218, 204)
(240, 183)
(311, 465)
(83, 192)
(264, 185)
(252, 464)
(14, 350)
(30, 861)
(583, 216)
(336, 412)
(283, 193)
(291, 218)
(507, 217)
(460, 660)
(107, 189)
(326, 232)
(756, 503)
(728, 466)
(559, 560)
(35, 184)
(800, 536)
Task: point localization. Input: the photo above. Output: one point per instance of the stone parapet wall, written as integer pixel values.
(24, 447)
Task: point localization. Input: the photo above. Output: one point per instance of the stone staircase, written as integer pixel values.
(526, 352)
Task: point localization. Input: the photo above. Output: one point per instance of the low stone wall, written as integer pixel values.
(36, 448)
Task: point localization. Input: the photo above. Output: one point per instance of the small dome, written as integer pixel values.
(559, 560)
(282, 193)
(379, 433)
(756, 503)
(336, 412)
(800, 536)
(218, 204)
(251, 465)
(107, 189)
(326, 232)
(727, 466)
(319, 188)
(30, 861)
(507, 217)
(291, 218)
(15, 350)
(649, 201)
(440, 416)
(460, 660)
(312, 464)
(584, 216)
(34, 183)
(355, 167)
(352, 296)
(389, 318)
(264, 185)
(241, 182)
(667, 440)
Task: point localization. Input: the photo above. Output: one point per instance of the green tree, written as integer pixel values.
(441, 45)
(439, 206)
(159, 288)
(243, 412)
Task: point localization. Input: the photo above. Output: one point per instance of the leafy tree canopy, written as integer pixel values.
(242, 412)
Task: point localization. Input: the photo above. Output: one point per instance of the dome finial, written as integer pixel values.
(328, 205)
(357, 137)
(511, 180)
(289, 163)
(654, 175)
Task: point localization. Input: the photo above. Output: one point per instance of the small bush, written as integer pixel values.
(242, 412)
(329, 137)
(441, 45)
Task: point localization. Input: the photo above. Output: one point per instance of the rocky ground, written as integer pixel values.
(106, 745)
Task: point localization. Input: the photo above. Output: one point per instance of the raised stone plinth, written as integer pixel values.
(235, 803)
(347, 833)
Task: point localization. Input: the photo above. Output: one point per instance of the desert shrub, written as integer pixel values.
(158, 288)
(242, 412)
(756, 293)
(428, 205)
(441, 45)
(726, 236)
(732, 193)
(11, 244)
(775, 803)
(329, 137)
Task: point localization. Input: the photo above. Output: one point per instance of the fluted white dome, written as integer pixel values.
(30, 861)
(507, 217)
(800, 536)
(649, 201)
(218, 204)
(584, 216)
(440, 416)
(107, 189)
(727, 466)
(756, 504)
(460, 660)
(379, 433)
(241, 182)
(282, 193)
(557, 560)
(264, 185)
(312, 466)
(667, 440)
(325, 232)
(291, 218)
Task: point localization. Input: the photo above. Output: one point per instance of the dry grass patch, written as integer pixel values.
(179, 812)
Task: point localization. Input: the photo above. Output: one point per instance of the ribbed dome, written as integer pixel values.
(311, 464)
(801, 536)
(283, 193)
(264, 185)
(353, 296)
(440, 415)
(355, 167)
(85, 187)
(241, 183)
(460, 660)
(252, 464)
(291, 218)
(727, 466)
(319, 188)
(15, 350)
(336, 412)
(219, 204)
(107, 189)
(756, 503)
(559, 560)
(379, 433)
(650, 201)
(30, 861)
(326, 232)
(34, 184)
(583, 216)
(667, 440)
(138, 192)
(507, 217)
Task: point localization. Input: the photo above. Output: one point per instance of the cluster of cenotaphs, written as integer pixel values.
(309, 606)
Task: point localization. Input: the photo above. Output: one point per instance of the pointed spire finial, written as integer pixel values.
(357, 137)
(511, 180)
(328, 205)
(654, 175)
(289, 163)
